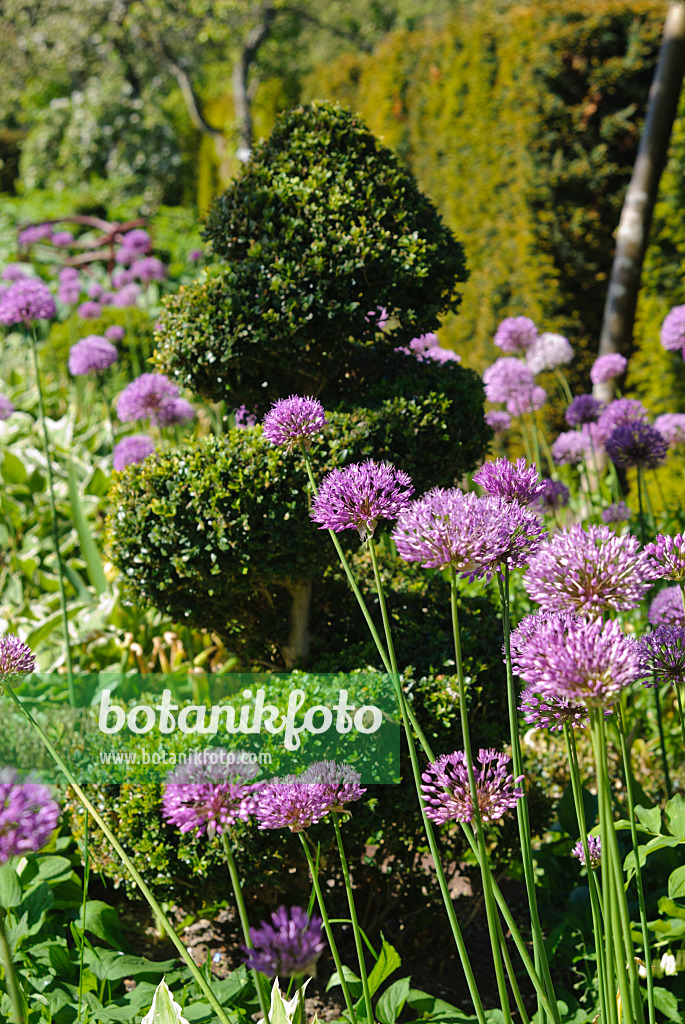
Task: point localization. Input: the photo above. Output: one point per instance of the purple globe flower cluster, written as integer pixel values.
(551, 711)
(26, 301)
(153, 396)
(666, 608)
(671, 425)
(673, 330)
(516, 334)
(553, 496)
(447, 793)
(92, 354)
(667, 557)
(662, 655)
(211, 794)
(34, 233)
(548, 352)
(427, 347)
(68, 287)
(583, 409)
(608, 367)
(293, 421)
(594, 849)
(131, 451)
(28, 815)
(298, 801)
(637, 445)
(357, 496)
(511, 481)
(288, 947)
(616, 513)
(499, 420)
(6, 407)
(134, 244)
(16, 658)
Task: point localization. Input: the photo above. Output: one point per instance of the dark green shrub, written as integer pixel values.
(321, 228)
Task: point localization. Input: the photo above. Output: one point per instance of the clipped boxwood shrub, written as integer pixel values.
(321, 229)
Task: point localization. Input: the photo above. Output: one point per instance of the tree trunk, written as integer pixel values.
(242, 100)
(636, 216)
(297, 648)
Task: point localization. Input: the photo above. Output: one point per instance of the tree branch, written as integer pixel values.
(241, 97)
(187, 91)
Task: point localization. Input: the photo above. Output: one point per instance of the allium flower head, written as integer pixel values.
(671, 425)
(500, 421)
(244, 418)
(95, 290)
(594, 849)
(291, 803)
(357, 496)
(137, 242)
(34, 233)
(511, 481)
(516, 334)
(89, 310)
(289, 947)
(548, 711)
(548, 352)
(619, 413)
(132, 450)
(26, 301)
(662, 655)
(16, 659)
(447, 793)
(115, 332)
(608, 367)
(293, 421)
(673, 330)
(585, 661)
(616, 513)
(174, 410)
(583, 409)
(149, 269)
(14, 272)
(341, 781)
(126, 296)
(667, 608)
(555, 495)
(210, 794)
(62, 238)
(91, 355)
(507, 378)
(6, 408)
(667, 557)
(573, 446)
(637, 444)
(588, 570)
(121, 277)
(475, 536)
(28, 815)
(527, 401)
(144, 397)
(194, 255)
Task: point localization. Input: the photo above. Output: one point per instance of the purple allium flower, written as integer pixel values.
(585, 661)
(616, 513)
(498, 420)
(212, 793)
(555, 495)
(290, 803)
(34, 233)
(144, 397)
(667, 557)
(516, 334)
(473, 535)
(608, 367)
(16, 658)
(89, 310)
(62, 238)
(549, 711)
(195, 255)
(14, 272)
(126, 296)
(583, 409)
(95, 290)
(637, 444)
(26, 301)
(137, 241)
(107, 298)
(292, 421)
(511, 481)
(28, 815)
(289, 947)
(594, 849)
(662, 655)
(6, 408)
(131, 450)
(356, 497)
(244, 418)
(91, 355)
(441, 355)
(671, 425)
(68, 275)
(570, 448)
(447, 793)
(68, 295)
(507, 378)
(529, 401)
(340, 780)
(587, 570)
(619, 413)
(667, 608)
(673, 329)
(149, 269)
(115, 332)
(174, 410)
(120, 278)
(549, 351)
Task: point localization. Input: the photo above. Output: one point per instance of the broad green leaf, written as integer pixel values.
(388, 961)
(13, 469)
(391, 1003)
(89, 549)
(670, 908)
(667, 1003)
(164, 1010)
(353, 982)
(650, 817)
(676, 883)
(434, 1008)
(114, 965)
(10, 888)
(675, 816)
(103, 921)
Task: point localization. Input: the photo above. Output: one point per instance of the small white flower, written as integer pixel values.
(668, 964)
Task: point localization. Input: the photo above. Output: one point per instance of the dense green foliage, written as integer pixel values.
(321, 229)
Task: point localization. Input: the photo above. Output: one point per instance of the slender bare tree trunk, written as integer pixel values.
(242, 99)
(297, 648)
(636, 216)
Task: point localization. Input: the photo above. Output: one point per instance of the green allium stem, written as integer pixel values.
(561, 378)
(10, 977)
(244, 922)
(662, 740)
(53, 516)
(125, 859)
(355, 923)
(86, 872)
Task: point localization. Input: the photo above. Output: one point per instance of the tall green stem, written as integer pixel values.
(10, 977)
(329, 931)
(244, 922)
(53, 516)
(355, 924)
(86, 872)
(124, 857)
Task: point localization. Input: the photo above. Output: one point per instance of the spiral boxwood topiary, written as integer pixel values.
(321, 230)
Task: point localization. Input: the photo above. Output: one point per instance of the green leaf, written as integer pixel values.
(103, 921)
(13, 469)
(353, 982)
(676, 883)
(10, 888)
(675, 816)
(650, 817)
(436, 1009)
(388, 961)
(667, 906)
(114, 965)
(162, 1010)
(89, 550)
(391, 1003)
(667, 1003)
